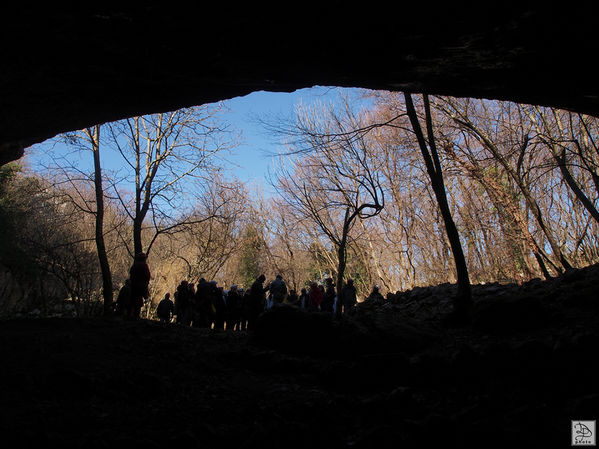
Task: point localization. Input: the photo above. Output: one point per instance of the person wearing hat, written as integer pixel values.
(375, 295)
(140, 279)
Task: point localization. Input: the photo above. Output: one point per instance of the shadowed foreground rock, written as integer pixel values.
(392, 376)
(293, 330)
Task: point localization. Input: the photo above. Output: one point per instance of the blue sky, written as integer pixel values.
(253, 155)
(250, 160)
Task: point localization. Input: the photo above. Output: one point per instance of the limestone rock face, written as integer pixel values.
(64, 68)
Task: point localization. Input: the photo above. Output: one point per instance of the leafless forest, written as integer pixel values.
(354, 198)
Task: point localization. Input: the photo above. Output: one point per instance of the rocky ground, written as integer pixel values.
(393, 376)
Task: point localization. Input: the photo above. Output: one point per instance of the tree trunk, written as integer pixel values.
(536, 212)
(340, 273)
(463, 300)
(342, 260)
(528, 196)
(107, 293)
(509, 213)
(137, 244)
(578, 193)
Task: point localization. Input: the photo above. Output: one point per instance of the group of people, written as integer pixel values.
(209, 306)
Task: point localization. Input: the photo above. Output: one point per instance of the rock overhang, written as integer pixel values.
(65, 68)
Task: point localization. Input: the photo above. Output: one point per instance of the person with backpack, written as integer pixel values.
(278, 289)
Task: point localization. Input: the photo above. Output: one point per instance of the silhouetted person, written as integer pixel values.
(182, 303)
(233, 315)
(140, 279)
(165, 309)
(328, 300)
(123, 300)
(375, 294)
(210, 299)
(292, 298)
(191, 299)
(245, 301)
(202, 306)
(218, 301)
(348, 298)
(278, 289)
(315, 297)
(304, 299)
(256, 301)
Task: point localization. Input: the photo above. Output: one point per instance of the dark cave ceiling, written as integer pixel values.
(64, 68)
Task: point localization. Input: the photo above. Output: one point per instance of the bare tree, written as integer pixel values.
(463, 116)
(428, 148)
(93, 134)
(168, 163)
(55, 237)
(335, 182)
(212, 236)
(572, 143)
(170, 160)
(76, 178)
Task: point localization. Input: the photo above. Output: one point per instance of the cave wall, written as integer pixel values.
(64, 68)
